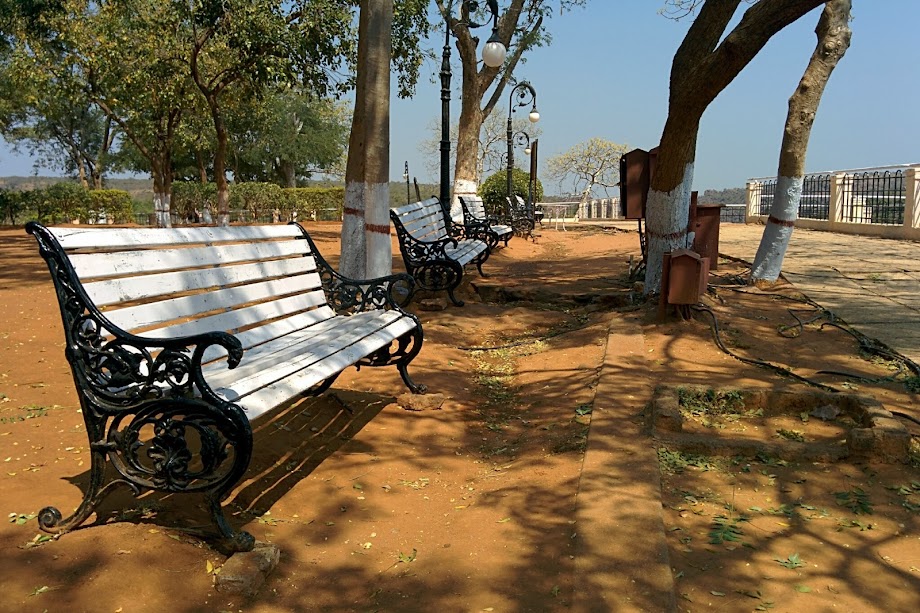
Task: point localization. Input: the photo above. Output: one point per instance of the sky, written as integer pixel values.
(606, 75)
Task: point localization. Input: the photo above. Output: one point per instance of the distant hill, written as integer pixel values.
(730, 195)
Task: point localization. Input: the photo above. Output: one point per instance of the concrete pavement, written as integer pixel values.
(871, 283)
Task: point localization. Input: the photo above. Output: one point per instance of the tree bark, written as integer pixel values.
(366, 248)
(703, 66)
(834, 34)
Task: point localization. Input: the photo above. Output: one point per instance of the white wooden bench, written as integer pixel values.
(179, 338)
(434, 249)
(474, 214)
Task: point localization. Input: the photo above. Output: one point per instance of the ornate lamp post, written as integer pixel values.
(493, 55)
(526, 95)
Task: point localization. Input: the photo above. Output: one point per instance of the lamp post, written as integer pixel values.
(493, 55)
(526, 95)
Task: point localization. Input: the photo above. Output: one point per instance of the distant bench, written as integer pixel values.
(179, 338)
(474, 214)
(434, 249)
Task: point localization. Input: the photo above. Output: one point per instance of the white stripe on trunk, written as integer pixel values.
(768, 262)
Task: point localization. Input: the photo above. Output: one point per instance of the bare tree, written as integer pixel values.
(833, 32)
(593, 163)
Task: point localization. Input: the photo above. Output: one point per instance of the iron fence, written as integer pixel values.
(816, 197)
(766, 190)
(732, 213)
(876, 197)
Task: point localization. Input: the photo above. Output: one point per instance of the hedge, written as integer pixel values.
(494, 189)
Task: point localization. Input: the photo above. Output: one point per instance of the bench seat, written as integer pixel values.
(179, 338)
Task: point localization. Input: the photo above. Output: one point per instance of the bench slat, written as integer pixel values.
(243, 318)
(321, 362)
(126, 263)
(270, 362)
(89, 238)
(129, 289)
(172, 309)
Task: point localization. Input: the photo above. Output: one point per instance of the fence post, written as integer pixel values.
(912, 197)
(838, 191)
(752, 200)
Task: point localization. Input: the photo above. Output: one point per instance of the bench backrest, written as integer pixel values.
(475, 207)
(169, 282)
(423, 220)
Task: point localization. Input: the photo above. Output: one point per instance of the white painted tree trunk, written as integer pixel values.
(834, 35)
(161, 209)
(462, 187)
(768, 262)
(366, 246)
(667, 218)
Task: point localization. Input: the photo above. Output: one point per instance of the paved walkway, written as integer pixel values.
(871, 283)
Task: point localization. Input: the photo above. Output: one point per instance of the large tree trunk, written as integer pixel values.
(366, 248)
(834, 35)
(220, 166)
(161, 196)
(704, 65)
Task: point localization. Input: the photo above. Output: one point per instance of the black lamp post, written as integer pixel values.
(493, 55)
(526, 95)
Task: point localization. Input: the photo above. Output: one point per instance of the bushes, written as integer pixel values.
(494, 189)
(317, 203)
(110, 205)
(257, 202)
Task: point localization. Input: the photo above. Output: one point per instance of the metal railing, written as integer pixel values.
(882, 201)
(876, 197)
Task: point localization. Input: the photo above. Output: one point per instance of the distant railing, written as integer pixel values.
(883, 201)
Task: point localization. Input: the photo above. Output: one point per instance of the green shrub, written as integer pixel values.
(12, 204)
(191, 196)
(317, 203)
(495, 188)
(259, 200)
(113, 205)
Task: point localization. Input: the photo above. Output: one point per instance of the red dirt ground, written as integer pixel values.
(470, 507)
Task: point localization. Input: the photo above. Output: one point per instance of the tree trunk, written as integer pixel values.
(288, 176)
(705, 64)
(161, 197)
(366, 248)
(220, 166)
(834, 35)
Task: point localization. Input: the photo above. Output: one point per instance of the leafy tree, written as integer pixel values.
(833, 34)
(595, 162)
(286, 137)
(520, 28)
(708, 59)
(494, 189)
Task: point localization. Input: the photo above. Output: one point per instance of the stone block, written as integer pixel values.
(421, 402)
(245, 572)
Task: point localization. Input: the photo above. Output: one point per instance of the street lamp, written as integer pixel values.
(493, 55)
(526, 95)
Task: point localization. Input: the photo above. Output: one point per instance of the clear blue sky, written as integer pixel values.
(606, 75)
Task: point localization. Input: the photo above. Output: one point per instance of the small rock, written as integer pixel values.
(432, 304)
(826, 413)
(421, 402)
(245, 572)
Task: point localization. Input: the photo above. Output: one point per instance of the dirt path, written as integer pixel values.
(473, 507)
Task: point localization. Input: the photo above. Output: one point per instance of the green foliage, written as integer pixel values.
(113, 205)
(258, 200)
(725, 529)
(856, 500)
(11, 205)
(495, 188)
(698, 402)
(189, 197)
(318, 203)
(59, 203)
